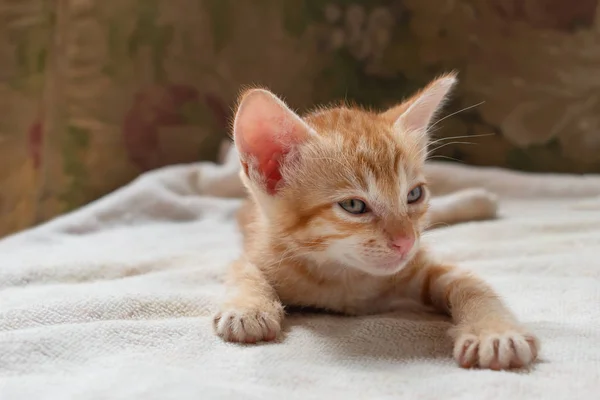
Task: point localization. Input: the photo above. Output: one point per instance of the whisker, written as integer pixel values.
(447, 144)
(460, 137)
(430, 150)
(457, 112)
(445, 158)
(284, 258)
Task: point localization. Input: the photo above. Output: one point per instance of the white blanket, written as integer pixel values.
(114, 301)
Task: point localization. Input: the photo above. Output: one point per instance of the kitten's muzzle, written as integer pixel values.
(402, 244)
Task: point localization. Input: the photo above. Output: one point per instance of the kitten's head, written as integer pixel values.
(341, 186)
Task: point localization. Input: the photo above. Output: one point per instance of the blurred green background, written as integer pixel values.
(95, 92)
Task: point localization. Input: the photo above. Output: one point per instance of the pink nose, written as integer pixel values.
(402, 244)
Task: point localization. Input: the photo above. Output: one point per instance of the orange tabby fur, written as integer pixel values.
(301, 248)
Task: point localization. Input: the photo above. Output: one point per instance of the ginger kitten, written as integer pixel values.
(339, 202)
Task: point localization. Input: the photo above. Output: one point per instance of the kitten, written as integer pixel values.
(339, 201)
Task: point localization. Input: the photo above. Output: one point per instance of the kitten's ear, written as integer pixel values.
(416, 113)
(265, 131)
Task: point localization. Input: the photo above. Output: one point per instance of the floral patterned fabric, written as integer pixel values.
(96, 92)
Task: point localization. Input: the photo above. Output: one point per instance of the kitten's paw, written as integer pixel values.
(248, 324)
(480, 202)
(497, 347)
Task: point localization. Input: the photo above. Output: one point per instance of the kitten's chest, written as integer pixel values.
(346, 294)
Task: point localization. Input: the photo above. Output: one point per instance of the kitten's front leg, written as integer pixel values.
(486, 335)
(252, 311)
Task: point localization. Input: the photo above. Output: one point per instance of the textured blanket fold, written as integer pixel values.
(114, 301)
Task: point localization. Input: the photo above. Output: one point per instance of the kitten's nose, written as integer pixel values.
(402, 244)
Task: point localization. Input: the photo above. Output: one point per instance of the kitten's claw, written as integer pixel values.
(495, 348)
(248, 325)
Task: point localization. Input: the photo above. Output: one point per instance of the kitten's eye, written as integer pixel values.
(354, 206)
(415, 195)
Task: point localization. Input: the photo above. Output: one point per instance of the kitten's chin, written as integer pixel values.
(386, 268)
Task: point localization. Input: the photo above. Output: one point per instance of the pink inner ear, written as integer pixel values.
(269, 155)
(265, 130)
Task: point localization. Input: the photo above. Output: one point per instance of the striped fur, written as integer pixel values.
(302, 249)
